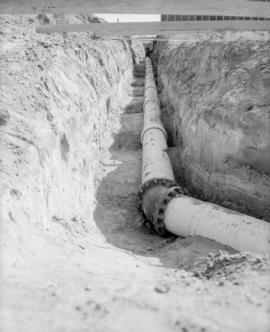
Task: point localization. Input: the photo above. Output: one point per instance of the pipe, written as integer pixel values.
(163, 203)
(156, 163)
(229, 227)
(157, 173)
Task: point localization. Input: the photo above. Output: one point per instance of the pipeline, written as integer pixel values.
(163, 202)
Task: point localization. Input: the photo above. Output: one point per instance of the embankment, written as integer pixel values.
(216, 102)
(61, 100)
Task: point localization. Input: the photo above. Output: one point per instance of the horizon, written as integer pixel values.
(130, 17)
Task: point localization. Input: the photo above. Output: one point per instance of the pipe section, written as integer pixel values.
(157, 173)
(156, 162)
(188, 216)
(163, 203)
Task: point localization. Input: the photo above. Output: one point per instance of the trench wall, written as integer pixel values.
(60, 103)
(216, 105)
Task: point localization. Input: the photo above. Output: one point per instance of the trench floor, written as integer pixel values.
(168, 288)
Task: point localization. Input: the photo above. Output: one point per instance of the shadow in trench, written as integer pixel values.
(116, 213)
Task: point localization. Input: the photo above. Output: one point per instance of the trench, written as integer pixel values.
(217, 172)
(76, 254)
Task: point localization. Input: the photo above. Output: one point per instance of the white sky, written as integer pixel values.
(130, 17)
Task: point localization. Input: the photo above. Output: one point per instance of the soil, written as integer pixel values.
(75, 253)
(214, 90)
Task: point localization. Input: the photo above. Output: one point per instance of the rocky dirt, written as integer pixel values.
(215, 91)
(75, 253)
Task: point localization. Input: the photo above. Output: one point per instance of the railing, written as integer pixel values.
(172, 18)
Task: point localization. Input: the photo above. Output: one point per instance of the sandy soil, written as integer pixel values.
(214, 90)
(85, 261)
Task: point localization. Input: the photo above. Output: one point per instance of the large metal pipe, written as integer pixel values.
(188, 216)
(157, 173)
(156, 163)
(163, 203)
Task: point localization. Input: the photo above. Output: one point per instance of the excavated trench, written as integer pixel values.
(75, 253)
(215, 99)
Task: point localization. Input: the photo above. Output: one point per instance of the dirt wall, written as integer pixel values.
(60, 103)
(216, 102)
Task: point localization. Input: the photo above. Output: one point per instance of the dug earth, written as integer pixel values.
(75, 254)
(216, 104)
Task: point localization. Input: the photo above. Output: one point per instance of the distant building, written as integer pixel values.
(173, 17)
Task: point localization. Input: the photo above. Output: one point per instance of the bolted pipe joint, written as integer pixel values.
(153, 198)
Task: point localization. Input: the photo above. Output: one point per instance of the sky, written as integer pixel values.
(130, 17)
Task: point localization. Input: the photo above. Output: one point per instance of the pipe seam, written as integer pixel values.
(158, 214)
(150, 87)
(152, 101)
(155, 125)
(168, 183)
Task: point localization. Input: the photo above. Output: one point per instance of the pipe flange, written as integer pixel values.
(151, 101)
(149, 184)
(150, 87)
(153, 125)
(158, 215)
